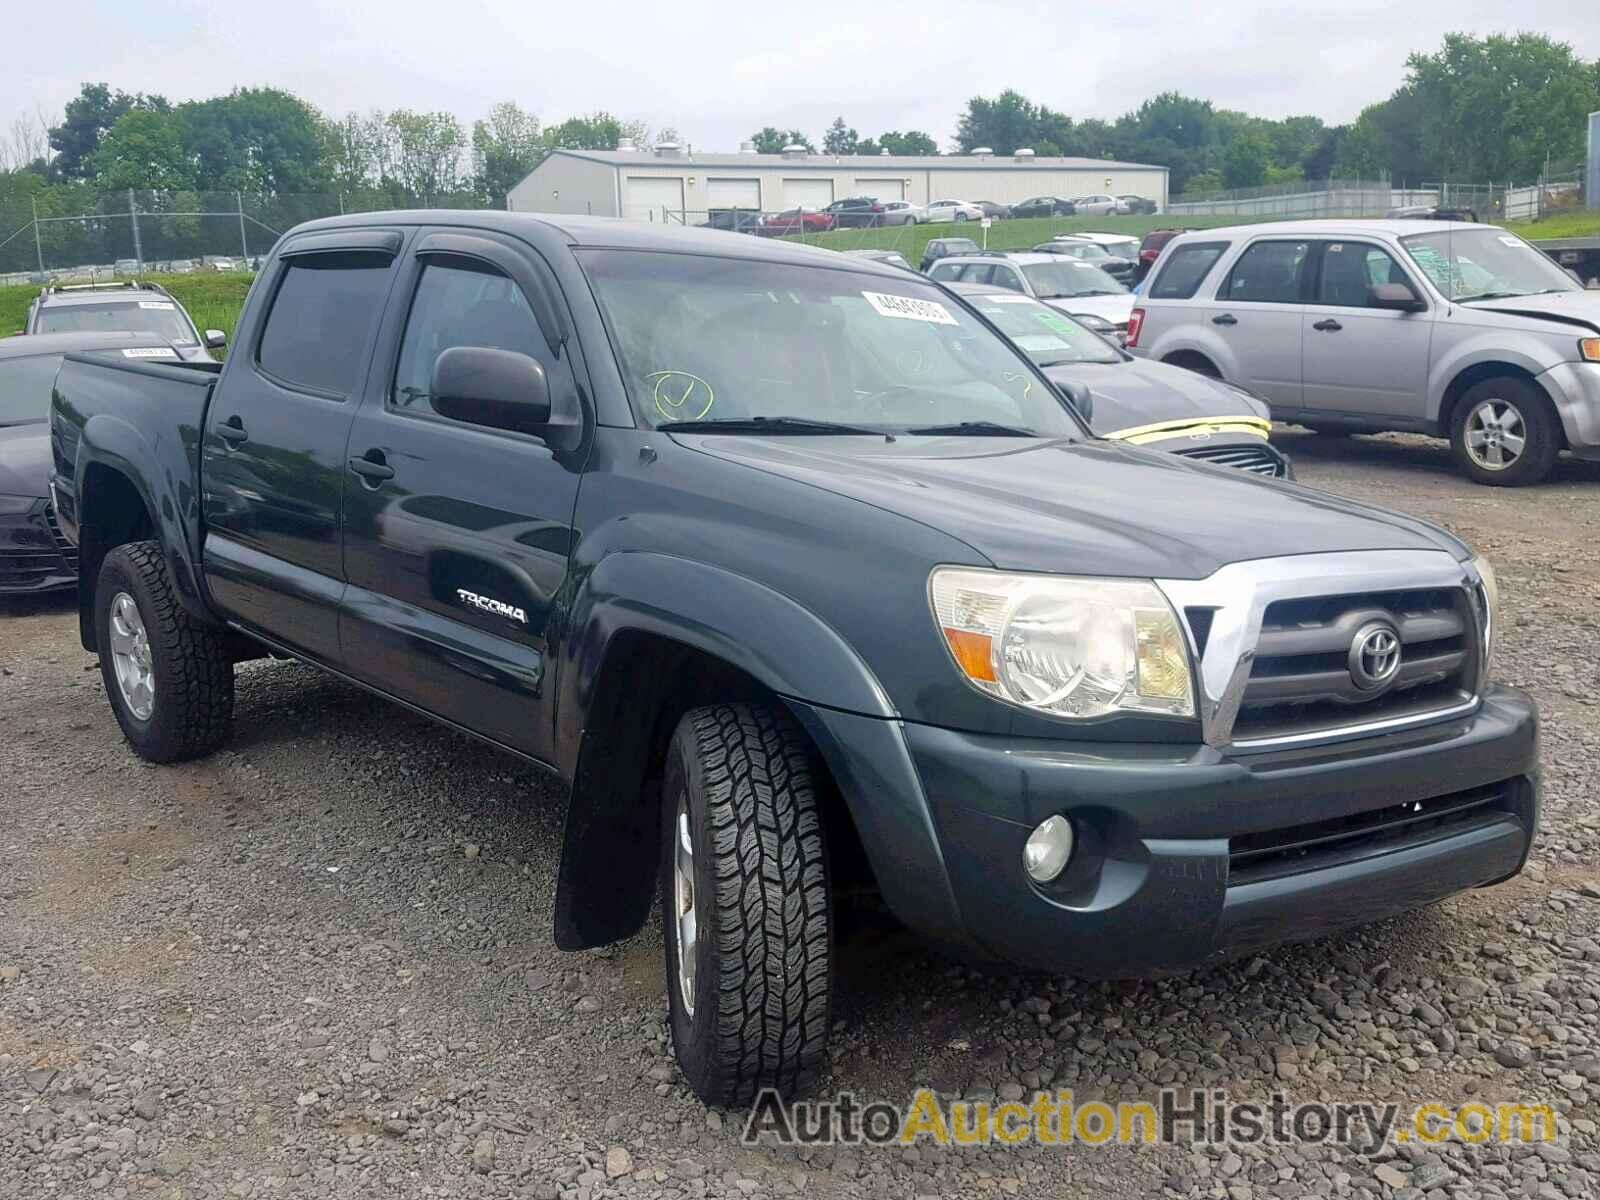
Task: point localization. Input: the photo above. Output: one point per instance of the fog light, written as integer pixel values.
(1049, 846)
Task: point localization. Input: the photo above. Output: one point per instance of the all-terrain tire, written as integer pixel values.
(762, 977)
(193, 675)
(1535, 422)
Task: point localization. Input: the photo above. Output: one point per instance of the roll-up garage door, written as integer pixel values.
(807, 193)
(882, 189)
(653, 198)
(733, 193)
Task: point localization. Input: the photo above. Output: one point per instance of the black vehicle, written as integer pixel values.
(1138, 205)
(803, 579)
(938, 248)
(1043, 206)
(1131, 399)
(891, 258)
(993, 209)
(734, 220)
(1119, 268)
(1431, 212)
(856, 212)
(34, 557)
(126, 306)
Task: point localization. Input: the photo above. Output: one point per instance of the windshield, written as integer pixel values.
(708, 339)
(1128, 250)
(1483, 264)
(25, 388)
(1048, 337)
(1057, 280)
(160, 317)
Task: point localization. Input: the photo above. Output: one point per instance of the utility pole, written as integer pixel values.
(244, 246)
(38, 246)
(133, 215)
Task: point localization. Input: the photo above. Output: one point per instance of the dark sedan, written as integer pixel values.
(1130, 399)
(33, 555)
(1043, 206)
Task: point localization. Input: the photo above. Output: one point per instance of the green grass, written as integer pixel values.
(1577, 223)
(1003, 235)
(213, 300)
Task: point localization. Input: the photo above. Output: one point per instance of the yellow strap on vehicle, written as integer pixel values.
(1139, 435)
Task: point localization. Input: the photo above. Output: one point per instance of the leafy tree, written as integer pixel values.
(1245, 162)
(89, 117)
(144, 149)
(1011, 122)
(913, 143)
(1386, 137)
(425, 152)
(259, 140)
(597, 131)
(505, 147)
(840, 138)
(769, 140)
(353, 148)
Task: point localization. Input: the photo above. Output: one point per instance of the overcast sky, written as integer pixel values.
(716, 72)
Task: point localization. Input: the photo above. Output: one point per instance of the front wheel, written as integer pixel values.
(169, 678)
(745, 902)
(1504, 433)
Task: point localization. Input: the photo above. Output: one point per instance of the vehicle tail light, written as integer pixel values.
(1135, 324)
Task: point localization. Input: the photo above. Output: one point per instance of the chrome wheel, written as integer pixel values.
(130, 657)
(1495, 435)
(683, 905)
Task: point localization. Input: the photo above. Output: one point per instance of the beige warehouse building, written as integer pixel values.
(665, 183)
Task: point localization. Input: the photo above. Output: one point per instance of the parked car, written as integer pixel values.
(1043, 206)
(1098, 205)
(938, 248)
(1090, 252)
(891, 258)
(855, 212)
(938, 211)
(125, 267)
(180, 266)
(1137, 205)
(129, 306)
(993, 209)
(1129, 399)
(1460, 331)
(34, 557)
(222, 264)
(1079, 289)
(1430, 212)
(845, 598)
(1150, 248)
(734, 220)
(797, 220)
(903, 212)
(1118, 244)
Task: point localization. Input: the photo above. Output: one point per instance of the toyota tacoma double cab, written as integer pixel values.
(802, 578)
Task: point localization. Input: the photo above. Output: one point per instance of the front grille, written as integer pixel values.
(1301, 682)
(1257, 459)
(1255, 857)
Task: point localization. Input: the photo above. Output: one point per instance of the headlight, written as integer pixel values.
(1068, 646)
(1090, 321)
(16, 504)
(1589, 349)
(1491, 602)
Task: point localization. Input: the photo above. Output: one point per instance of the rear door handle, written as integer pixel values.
(232, 431)
(371, 466)
(1328, 326)
(1225, 319)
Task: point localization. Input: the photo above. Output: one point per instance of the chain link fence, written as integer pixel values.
(1559, 188)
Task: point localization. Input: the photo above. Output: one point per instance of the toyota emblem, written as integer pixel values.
(1374, 656)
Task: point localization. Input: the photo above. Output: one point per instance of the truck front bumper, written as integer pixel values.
(1189, 855)
(1575, 389)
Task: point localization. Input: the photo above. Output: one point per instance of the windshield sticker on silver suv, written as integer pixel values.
(909, 309)
(150, 352)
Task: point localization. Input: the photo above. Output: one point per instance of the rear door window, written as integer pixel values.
(1268, 273)
(1185, 270)
(321, 320)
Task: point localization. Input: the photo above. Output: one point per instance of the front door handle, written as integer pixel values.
(1225, 319)
(372, 467)
(232, 431)
(1328, 326)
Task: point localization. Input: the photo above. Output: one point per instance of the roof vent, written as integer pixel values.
(794, 150)
(747, 147)
(669, 150)
(627, 146)
(1023, 155)
(983, 152)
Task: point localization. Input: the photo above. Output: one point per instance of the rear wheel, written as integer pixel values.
(745, 904)
(169, 678)
(1504, 433)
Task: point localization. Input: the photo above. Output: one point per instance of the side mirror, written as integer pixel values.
(1396, 297)
(497, 388)
(1079, 396)
(216, 339)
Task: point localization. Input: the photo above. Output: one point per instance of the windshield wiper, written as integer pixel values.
(973, 429)
(1493, 296)
(764, 425)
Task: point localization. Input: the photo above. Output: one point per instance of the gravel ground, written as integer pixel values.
(319, 963)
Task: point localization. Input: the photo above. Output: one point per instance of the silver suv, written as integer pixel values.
(1457, 330)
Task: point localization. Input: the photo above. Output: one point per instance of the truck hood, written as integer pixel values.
(1115, 309)
(25, 459)
(1127, 395)
(1581, 310)
(1088, 508)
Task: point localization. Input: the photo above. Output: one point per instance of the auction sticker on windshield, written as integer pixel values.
(909, 309)
(149, 352)
(163, 305)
